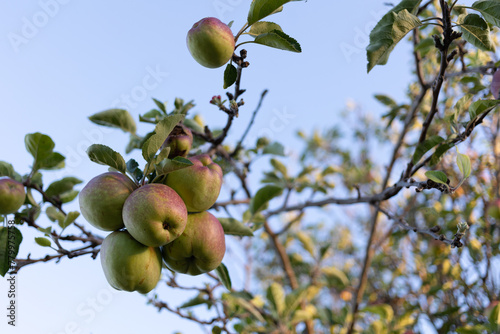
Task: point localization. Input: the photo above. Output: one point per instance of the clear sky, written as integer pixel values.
(63, 60)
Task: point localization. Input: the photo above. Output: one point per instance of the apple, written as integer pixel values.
(199, 249)
(154, 215)
(129, 265)
(198, 185)
(102, 200)
(180, 141)
(211, 42)
(12, 196)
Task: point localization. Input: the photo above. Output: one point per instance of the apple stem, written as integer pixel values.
(242, 30)
(247, 42)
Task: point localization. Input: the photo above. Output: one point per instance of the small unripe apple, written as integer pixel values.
(199, 249)
(180, 141)
(129, 265)
(154, 215)
(198, 185)
(211, 42)
(102, 199)
(12, 196)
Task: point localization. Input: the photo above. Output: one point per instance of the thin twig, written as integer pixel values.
(239, 145)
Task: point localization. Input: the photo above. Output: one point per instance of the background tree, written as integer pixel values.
(412, 234)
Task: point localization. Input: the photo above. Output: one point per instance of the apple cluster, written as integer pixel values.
(157, 224)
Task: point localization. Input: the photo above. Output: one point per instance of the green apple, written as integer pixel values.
(198, 185)
(180, 141)
(211, 42)
(102, 199)
(129, 265)
(199, 249)
(12, 196)
(154, 215)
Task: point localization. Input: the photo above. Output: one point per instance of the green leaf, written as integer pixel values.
(153, 114)
(424, 147)
(306, 242)
(262, 8)
(464, 165)
(104, 155)
(276, 296)
(132, 166)
(393, 26)
(10, 239)
(47, 231)
(478, 329)
(385, 311)
(160, 134)
(442, 149)
(169, 165)
(437, 176)
(263, 196)
(230, 75)
(275, 149)
(115, 118)
(248, 306)
(134, 142)
(259, 28)
(133, 169)
(475, 30)
(164, 153)
(53, 161)
(70, 218)
(68, 196)
(279, 40)
(160, 105)
(386, 100)
(198, 300)
(494, 317)
(54, 214)
(462, 105)
(7, 169)
(232, 226)
(44, 242)
(481, 106)
(40, 146)
(279, 166)
(62, 186)
(336, 276)
(223, 275)
(490, 9)
(293, 300)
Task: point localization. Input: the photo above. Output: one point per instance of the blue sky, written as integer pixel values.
(61, 61)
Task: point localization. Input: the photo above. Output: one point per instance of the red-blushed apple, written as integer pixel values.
(198, 185)
(102, 200)
(211, 42)
(129, 265)
(199, 249)
(154, 215)
(180, 141)
(12, 196)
